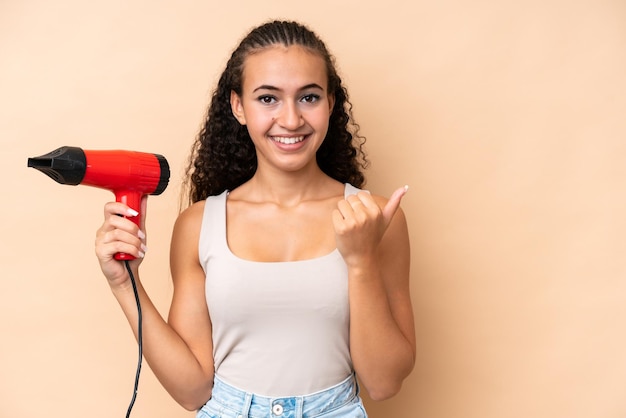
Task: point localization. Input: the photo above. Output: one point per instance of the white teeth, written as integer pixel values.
(288, 140)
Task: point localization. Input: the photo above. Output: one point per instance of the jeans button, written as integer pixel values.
(277, 409)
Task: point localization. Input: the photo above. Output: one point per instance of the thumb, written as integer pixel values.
(393, 204)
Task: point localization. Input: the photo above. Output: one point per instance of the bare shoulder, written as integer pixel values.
(185, 239)
(191, 216)
(188, 223)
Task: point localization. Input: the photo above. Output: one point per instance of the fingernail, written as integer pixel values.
(132, 212)
(144, 249)
(406, 187)
(141, 255)
(141, 234)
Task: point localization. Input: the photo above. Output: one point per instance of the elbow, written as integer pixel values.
(188, 406)
(383, 392)
(381, 388)
(193, 403)
(385, 386)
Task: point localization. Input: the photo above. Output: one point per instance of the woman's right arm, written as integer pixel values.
(179, 351)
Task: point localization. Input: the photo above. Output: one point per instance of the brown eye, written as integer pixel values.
(267, 99)
(310, 98)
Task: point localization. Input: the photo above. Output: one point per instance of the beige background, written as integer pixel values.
(506, 118)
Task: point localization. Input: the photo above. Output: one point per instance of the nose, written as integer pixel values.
(290, 116)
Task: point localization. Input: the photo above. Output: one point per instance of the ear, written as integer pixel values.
(331, 102)
(237, 107)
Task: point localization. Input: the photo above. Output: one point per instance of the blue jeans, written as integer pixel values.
(339, 401)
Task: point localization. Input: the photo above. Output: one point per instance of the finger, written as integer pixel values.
(108, 251)
(345, 208)
(110, 242)
(116, 217)
(393, 203)
(363, 202)
(362, 196)
(119, 209)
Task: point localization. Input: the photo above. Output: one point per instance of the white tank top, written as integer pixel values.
(279, 328)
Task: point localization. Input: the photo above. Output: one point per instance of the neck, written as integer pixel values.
(289, 189)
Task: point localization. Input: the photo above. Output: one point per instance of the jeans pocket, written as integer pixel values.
(350, 410)
(210, 410)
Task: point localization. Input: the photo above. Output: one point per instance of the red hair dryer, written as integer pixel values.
(128, 174)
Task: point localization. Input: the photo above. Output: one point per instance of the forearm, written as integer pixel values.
(382, 355)
(167, 354)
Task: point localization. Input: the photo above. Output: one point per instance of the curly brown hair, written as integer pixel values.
(223, 156)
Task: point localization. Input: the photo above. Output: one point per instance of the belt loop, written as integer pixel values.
(247, 402)
(357, 388)
(299, 406)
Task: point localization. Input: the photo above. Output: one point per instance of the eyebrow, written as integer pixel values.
(274, 88)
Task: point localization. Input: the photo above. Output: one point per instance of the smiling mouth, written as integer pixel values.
(288, 140)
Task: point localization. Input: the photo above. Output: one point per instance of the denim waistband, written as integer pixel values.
(247, 404)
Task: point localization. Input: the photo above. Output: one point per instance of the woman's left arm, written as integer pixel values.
(372, 236)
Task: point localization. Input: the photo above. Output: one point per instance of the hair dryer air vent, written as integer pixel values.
(65, 165)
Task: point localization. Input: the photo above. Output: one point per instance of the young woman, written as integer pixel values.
(288, 279)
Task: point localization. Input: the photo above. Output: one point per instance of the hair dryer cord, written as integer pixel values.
(139, 337)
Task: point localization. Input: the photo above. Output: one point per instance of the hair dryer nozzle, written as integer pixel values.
(65, 165)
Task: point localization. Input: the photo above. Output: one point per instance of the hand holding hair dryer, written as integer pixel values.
(128, 174)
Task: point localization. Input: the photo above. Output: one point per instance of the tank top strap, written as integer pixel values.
(213, 229)
(350, 190)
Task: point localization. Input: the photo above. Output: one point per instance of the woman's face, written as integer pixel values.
(285, 105)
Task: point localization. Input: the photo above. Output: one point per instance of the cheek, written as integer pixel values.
(258, 126)
(258, 120)
(320, 120)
